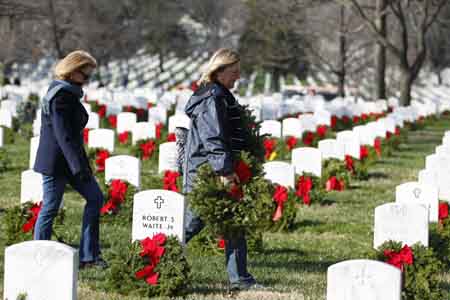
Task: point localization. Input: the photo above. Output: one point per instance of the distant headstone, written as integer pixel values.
(363, 279)
(125, 121)
(41, 270)
(307, 160)
(6, 118)
(179, 120)
(351, 143)
(167, 157)
(157, 114)
(34, 144)
(31, 189)
(101, 138)
(123, 167)
(331, 148)
(143, 131)
(280, 172)
(94, 121)
(292, 127)
(158, 211)
(421, 193)
(271, 127)
(401, 222)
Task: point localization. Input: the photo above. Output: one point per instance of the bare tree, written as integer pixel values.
(415, 18)
(380, 51)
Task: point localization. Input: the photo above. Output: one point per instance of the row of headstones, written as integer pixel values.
(50, 262)
(406, 221)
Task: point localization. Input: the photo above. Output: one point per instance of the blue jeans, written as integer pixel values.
(235, 252)
(53, 194)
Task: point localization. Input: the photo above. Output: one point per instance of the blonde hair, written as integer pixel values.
(221, 59)
(74, 61)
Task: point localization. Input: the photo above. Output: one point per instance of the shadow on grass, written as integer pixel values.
(377, 175)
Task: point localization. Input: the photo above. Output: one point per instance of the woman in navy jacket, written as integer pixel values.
(61, 157)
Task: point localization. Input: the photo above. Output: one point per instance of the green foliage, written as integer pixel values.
(136, 150)
(124, 214)
(287, 221)
(5, 161)
(253, 139)
(334, 167)
(440, 241)
(212, 202)
(317, 193)
(8, 135)
(173, 269)
(421, 279)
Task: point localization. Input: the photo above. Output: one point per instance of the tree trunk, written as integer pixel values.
(406, 80)
(276, 81)
(161, 61)
(55, 33)
(342, 53)
(439, 76)
(380, 53)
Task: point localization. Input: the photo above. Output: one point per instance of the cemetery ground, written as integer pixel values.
(293, 265)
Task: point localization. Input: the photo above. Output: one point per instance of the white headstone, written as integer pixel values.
(401, 222)
(280, 172)
(322, 117)
(143, 131)
(101, 138)
(5, 118)
(31, 189)
(123, 167)
(158, 211)
(365, 134)
(1, 137)
(421, 193)
(167, 157)
(125, 121)
(307, 160)
(94, 121)
(34, 144)
(308, 122)
(41, 270)
(157, 114)
(292, 127)
(331, 148)
(363, 279)
(179, 120)
(271, 127)
(351, 143)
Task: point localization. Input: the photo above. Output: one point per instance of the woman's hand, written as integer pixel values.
(232, 178)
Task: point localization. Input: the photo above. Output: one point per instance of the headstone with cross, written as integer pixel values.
(421, 193)
(363, 279)
(158, 211)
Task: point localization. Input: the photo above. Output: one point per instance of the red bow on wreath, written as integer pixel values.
(388, 135)
(85, 135)
(112, 120)
(101, 110)
(280, 196)
(269, 146)
(377, 146)
(117, 193)
(397, 131)
(333, 184)
(304, 186)
(236, 192)
(34, 212)
(349, 163)
(243, 171)
(147, 149)
(399, 259)
(100, 158)
(308, 138)
(170, 181)
(153, 249)
(171, 137)
(291, 142)
(321, 131)
(123, 137)
(443, 212)
(363, 152)
(334, 120)
(158, 128)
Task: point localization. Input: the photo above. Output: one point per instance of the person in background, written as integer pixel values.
(61, 157)
(215, 136)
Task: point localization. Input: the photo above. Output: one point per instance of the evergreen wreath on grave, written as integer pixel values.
(283, 219)
(21, 219)
(5, 161)
(335, 175)
(152, 267)
(119, 201)
(97, 157)
(420, 269)
(310, 189)
(440, 235)
(147, 149)
(359, 168)
(8, 135)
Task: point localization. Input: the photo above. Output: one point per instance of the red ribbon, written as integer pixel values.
(86, 135)
(443, 212)
(117, 193)
(364, 117)
(377, 146)
(388, 135)
(269, 146)
(399, 259)
(397, 131)
(304, 187)
(291, 142)
(149, 105)
(322, 131)
(221, 243)
(334, 120)
(356, 119)
(236, 192)
(112, 120)
(363, 152)
(333, 184)
(158, 128)
(34, 212)
(280, 196)
(100, 158)
(170, 181)
(147, 149)
(140, 112)
(171, 137)
(153, 249)
(101, 111)
(345, 119)
(308, 138)
(123, 137)
(349, 163)
(243, 171)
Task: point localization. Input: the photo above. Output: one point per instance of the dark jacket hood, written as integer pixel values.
(204, 92)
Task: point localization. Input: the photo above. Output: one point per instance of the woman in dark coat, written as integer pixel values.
(215, 136)
(61, 157)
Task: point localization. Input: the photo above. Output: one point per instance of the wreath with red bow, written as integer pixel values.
(147, 149)
(335, 174)
(310, 189)
(21, 219)
(97, 157)
(119, 200)
(154, 266)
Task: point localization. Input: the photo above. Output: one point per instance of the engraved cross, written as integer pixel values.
(159, 201)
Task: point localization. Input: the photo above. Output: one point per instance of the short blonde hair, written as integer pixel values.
(221, 59)
(74, 61)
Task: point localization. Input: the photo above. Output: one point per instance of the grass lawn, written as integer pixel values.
(293, 264)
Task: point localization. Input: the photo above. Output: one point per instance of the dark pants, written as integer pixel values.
(53, 194)
(235, 252)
